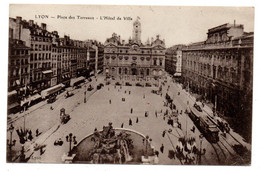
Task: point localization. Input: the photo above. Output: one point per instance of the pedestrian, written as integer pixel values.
(122, 125)
(129, 92)
(163, 134)
(193, 129)
(41, 150)
(37, 132)
(156, 113)
(157, 153)
(144, 96)
(110, 101)
(179, 125)
(131, 110)
(162, 148)
(137, 120)
(130, 122)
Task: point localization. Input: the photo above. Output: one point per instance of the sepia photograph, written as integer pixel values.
(130, 84)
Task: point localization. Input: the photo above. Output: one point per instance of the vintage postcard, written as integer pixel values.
(100, 84)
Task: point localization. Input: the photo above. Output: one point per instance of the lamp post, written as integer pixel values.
(10, 143)
(146, 146)
(70, 139)
(201, 138)
(85, 92)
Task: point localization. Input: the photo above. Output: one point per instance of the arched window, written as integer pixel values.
(120, 71)
(125, 70)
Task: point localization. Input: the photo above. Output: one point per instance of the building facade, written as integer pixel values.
(220, 69)
(40, 59)
(173, 60)
(139, 60)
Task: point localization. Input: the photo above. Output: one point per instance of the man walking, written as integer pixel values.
(130, 122)
(162, 148)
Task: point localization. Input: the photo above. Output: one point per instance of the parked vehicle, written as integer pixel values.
(78, 87)
(148, 85)
(117, 83)
(51, 99)
(100, 86)
(139, 84)
(90, 88)
(69, 94)
(128, 84)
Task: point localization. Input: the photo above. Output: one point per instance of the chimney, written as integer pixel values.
(119, 39)
(43, 26)
(234, 23)
(18, 19)
(30, 22)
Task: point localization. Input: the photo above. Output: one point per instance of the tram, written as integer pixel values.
(204, 124)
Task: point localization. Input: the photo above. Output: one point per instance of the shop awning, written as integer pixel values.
(177, 74)
(51, 90)
(47, 72)
(76, 80)
(12, 93)
(13, 105)
(35, 97)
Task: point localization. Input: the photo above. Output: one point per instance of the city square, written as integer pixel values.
(128, 101)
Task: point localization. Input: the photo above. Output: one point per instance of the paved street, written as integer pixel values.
(97, 112)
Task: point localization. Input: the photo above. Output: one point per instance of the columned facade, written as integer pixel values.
(221, 71)
(134, 59)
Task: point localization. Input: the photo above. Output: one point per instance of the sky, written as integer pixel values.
(177, 25)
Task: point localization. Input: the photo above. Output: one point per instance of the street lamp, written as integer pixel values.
(71, 139)
(146, 145)
(85, 92)
(10, 143)
(201, 138)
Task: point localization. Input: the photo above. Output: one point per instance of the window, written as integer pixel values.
(120, 70)
(154, 62)
(12, 62)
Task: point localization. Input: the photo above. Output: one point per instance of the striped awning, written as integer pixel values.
(47, 72)
(12, 93)
(13, 105)
(177, 74)
(76, 80)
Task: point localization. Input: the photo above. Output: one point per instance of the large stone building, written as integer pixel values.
(133, 57)
(40, 59)
(173, 60)
(220, 69)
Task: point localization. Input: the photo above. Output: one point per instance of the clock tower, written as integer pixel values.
(137, 31)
